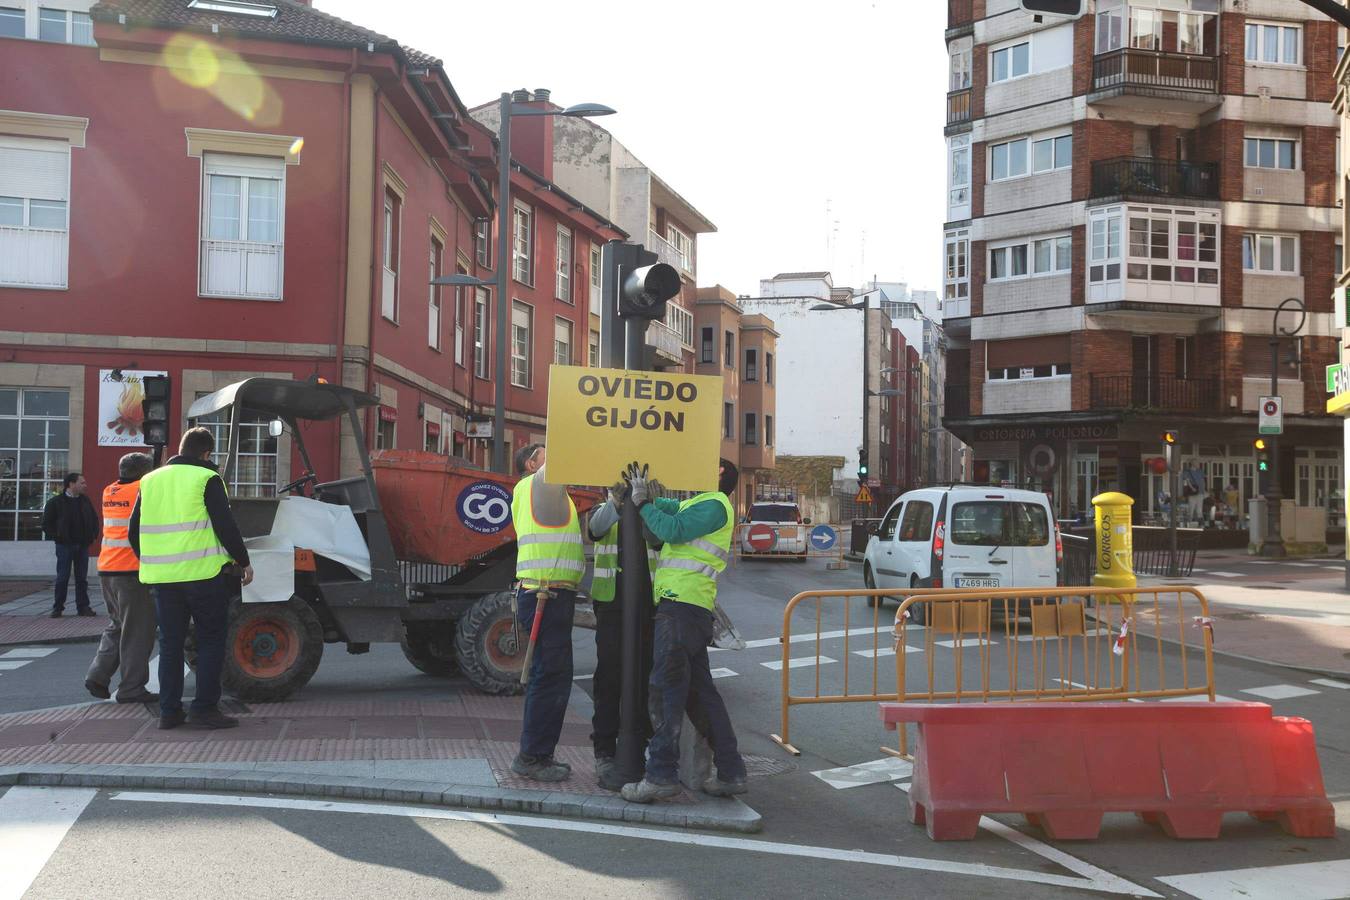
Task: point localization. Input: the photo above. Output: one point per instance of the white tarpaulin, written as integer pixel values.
(327, 529)
(273, 561)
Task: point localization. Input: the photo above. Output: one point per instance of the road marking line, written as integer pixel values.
(885, 651)
(1331, 683)
(1303, 565)
(29, 652)
(803, 638)
(11, 664)
(875, 772)
(1197, 698)
(797, 662)
(1301, 881)
(1100, 881)
(33, 822)
(964, 642)
(722, 673)
(1226, 574)
(1280, 691)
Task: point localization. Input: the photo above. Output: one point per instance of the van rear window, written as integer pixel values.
(772, 512)
(917, 522)
(999, 523)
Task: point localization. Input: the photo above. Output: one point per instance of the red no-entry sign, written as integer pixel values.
(761, 537)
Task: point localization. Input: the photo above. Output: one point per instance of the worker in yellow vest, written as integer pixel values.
(697, 538)
(129, 639)
(195, 561)
(549, 558)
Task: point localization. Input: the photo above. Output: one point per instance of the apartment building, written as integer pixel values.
(1131, 197)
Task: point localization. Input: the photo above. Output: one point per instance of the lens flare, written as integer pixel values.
(296, 146)
(225, 76)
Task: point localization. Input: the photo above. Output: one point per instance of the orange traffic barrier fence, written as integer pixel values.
(1039, 644)
(789, 540)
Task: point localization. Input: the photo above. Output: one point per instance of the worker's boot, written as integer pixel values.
(645, 791)
(716, 787)
(540, 768)
(607, 773)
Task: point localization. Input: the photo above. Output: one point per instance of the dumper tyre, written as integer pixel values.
(271, 649)
(489, 648)
(419, 648)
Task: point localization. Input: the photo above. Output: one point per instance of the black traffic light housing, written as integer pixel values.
(862, 467)
(155, 410)
(1067, 8)
(1262, 454)
(645, 284)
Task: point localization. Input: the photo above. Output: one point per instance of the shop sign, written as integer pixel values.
(1085, 432)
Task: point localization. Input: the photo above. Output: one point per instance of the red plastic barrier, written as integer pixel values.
(1063, 765)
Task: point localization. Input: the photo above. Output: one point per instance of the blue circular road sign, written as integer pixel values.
(822, 537)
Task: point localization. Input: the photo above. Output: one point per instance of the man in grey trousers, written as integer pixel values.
(129, 638)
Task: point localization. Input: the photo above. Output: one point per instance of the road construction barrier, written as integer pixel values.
(1064, 765)
(765, 540)
(1053, 644)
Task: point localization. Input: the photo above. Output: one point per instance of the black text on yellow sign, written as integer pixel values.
(599, 420)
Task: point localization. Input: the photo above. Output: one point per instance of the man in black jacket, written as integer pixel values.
(69, 521)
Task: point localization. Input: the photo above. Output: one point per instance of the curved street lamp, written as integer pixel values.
(1273, 545)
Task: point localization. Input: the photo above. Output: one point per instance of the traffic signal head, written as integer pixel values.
(862, 466)
(644, 291)
(1169, 437)
(1259, 444)
(155, 410)
(1262, 460)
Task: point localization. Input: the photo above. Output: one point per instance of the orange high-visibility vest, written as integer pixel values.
(118, 502)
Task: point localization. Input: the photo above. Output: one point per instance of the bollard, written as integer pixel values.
(1115, 540)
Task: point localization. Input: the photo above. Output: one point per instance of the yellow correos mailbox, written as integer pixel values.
(1115, 541)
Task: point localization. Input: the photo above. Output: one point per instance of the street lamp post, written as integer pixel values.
(867, 392)
(1273, 545)
(508, 108)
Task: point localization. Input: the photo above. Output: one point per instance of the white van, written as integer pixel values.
(965, 536)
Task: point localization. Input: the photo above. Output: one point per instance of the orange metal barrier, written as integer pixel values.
(791, 541)
(1078, 644)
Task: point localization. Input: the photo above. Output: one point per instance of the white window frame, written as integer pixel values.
(1275, 142)
(959, 70)
(1155, 33)
(562, 280)
(1107, 39)
(1057, 370)
(563, 349)
(34, 482)
(482, 242)
(1009, 49)
(959, 158)
(684, 246)
(434, 297)
(522, 243)
(1260, 44)
(1251, 258)
(956, 262)
(245, 168)
(593, 348)
(390, 249)
(594, 278)
(1106, 246)
(1173, 260)
(522, 364)
(25, 232)
(1058, 160)
(1061, 257)
(482, 330)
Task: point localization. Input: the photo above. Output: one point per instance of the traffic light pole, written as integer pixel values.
(1273, 545)
(1173, 489)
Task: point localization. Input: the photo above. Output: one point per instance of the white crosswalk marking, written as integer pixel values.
(882, 651)
(1223, 574)
(33, 822)
(1301, 881)
(963, 642)
(1280, 691)
(810, 636)
(723, 673)
(11, 664)
(797, 662)
(28, 652)
(875, 772)
(1331, 683)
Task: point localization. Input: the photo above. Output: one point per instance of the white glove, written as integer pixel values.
(638, 483)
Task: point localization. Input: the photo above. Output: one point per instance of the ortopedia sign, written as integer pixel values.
(1270, 416)
(599, 420)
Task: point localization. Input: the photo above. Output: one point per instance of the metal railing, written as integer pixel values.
(1148, 177)
(243, 269)
(33, 256)
(665, 251)
(1153, 550)
(959, 106)
(1155, 68)
(681, 321)
(1154, 391)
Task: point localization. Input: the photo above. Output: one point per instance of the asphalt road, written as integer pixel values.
(819, 839)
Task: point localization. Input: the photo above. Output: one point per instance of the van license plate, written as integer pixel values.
(975, 582)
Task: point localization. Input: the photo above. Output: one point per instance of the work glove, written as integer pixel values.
(655, 489)
(639, 485)
(617, 490)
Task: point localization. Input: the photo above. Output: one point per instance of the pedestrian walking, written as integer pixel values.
(193, 557)
(69, 521)
(696, 534)
(550, 562)
(129, 639)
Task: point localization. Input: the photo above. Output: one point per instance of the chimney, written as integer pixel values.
(520, 96)
(541, 95)
(532, 136)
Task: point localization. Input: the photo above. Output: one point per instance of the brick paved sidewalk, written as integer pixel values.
(416, 741)
(24, 606)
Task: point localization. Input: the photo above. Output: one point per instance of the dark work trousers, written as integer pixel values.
(607, 686)
(206, 604)
(682, 683)
(550, 683)
(128, 640)
(71, 557)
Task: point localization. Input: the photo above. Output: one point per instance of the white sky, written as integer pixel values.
(761, 114)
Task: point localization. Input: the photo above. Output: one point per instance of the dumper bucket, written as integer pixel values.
(442, 510)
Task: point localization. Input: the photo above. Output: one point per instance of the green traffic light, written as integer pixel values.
(1263, 466)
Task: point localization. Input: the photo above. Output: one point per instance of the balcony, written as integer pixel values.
(1186, 78)
(33, 257)
(959, 106)
(1164, 392)
(1150, 179)
(666, 342)
(666, 252)
(246, 269)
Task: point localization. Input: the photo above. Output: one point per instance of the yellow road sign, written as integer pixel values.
(599, 420)
(864, 495)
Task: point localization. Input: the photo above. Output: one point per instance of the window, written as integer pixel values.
(751, 430)
(523, 247)
(1191, 32)
(959, 190)
(389, 289)
(1052, 153)
(460, 313)
(751, 364)
(434, 302)
(384, 428)
(480, 332)
(729, 420)
(956, 283)
(11, 25)
(1008, 262)
(64, 26)
(1104, 248)
(34, 192)
(706, 351)
(562, 342)
(729, 350)
(1028, 373)
(768, 430)
(562, 282)
(596, 274)
(522, 341)
(1270, 153)
(1008, 160)
(593, 349)
(1041, 256)
(242, 226)
(917, 523)
(1146, 28)
(256, 472)
(1167, 246)
(959, 78)
(482, 242)
(683, 246)
(1273, 253)
(768, 368)
(431, 430)
(886, 530)
(1010, 62)
(34, 456)
(1110, 22)
(1268, 42)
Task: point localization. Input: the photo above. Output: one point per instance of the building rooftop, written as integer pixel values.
(796, 275)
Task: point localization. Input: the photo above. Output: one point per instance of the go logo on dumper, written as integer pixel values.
(484, 507)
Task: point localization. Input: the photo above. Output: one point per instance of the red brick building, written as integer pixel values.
(1131, 196)
(263, 190)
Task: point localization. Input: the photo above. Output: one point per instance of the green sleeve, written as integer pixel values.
(682, 526)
